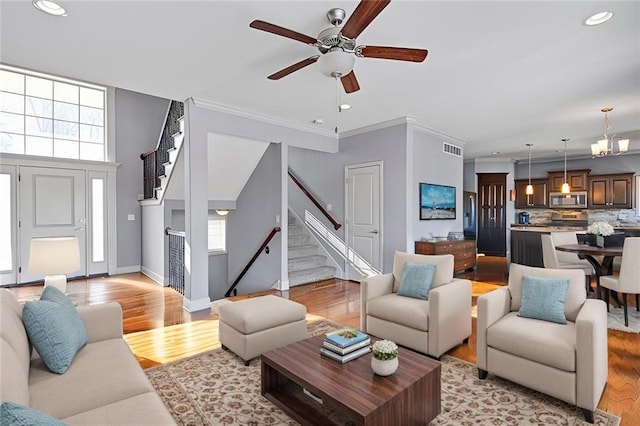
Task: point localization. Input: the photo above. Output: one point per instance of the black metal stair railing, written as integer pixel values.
(176, 259)
(154, 161)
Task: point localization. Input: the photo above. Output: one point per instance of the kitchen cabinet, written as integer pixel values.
(463, 251)
(577, 180)
(613, 191)
(540, 197)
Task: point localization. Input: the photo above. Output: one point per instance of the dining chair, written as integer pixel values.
(627, 282)
(556, 259)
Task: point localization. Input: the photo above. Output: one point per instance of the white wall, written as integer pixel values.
(153, 242)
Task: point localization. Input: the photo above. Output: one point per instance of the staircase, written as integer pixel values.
(306, 264)
(159, 164)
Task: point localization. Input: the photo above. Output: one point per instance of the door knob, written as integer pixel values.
(375, 231)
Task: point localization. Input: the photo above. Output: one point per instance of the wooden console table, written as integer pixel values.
(463, 251)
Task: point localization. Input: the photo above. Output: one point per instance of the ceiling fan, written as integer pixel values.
(337, 45)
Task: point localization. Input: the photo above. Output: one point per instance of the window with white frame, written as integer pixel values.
(217, 234)
(49, 116)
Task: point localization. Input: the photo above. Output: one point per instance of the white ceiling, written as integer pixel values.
(498, 74)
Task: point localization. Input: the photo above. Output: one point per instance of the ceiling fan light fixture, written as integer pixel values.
(598, 18)
(50, 7)
(336, 63)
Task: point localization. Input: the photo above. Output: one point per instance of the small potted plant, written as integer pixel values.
(600, 230)
(384, 359)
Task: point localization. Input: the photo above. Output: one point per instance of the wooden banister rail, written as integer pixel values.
(266, 241)
(335, 223)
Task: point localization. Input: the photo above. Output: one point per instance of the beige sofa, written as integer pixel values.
(429, 326)
(104, 385)
(567, 361)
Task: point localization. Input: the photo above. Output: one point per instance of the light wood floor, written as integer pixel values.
(159, 331)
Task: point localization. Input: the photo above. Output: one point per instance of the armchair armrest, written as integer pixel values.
(102, 322)
(591, 353)
(491, 307)
(449, 315)
(371, 287)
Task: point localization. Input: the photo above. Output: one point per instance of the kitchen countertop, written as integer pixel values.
(544, 228)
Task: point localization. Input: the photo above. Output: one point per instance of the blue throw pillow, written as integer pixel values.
(543, 298)
(54, 328)
(12, 414)
(416, 280)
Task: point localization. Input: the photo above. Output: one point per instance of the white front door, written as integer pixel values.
(364, 232)
(8, 256)
(52, 203)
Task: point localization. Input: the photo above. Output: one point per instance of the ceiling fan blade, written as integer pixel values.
(364, 14)
(350, 82)
(396, 53)
(281, 31)
(292, 68)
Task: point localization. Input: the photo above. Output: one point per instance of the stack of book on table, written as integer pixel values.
(345, 345)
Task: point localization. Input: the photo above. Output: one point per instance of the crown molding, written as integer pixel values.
(239, 112)
(423, 129)
(377, 126)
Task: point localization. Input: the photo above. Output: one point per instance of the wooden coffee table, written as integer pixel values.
(411, 396)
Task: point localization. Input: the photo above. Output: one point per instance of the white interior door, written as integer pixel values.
(51, 204)
(364, 231)
(8, 253)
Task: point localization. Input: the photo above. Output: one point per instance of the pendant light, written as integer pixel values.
(529, 190)
(565, 185)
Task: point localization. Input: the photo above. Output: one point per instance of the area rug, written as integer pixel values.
(615, 319)
(215, 388)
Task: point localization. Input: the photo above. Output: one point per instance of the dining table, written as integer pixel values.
(601, 258)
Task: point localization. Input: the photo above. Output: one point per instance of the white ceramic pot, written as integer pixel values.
(384, 367)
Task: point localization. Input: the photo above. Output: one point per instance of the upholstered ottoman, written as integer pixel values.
(252, 326)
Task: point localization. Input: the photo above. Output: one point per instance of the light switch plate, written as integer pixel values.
(131, 217)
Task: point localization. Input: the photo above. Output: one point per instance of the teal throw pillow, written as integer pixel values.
(416, 280)
(12, 414)
(54, 328)
(543, 298)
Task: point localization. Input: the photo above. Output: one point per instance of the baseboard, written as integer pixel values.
(155, 277)
(196, 305)
(127, 269)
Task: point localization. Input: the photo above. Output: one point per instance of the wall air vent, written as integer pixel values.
(448, 148)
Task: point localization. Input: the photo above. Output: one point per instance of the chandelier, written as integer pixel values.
(604, 146)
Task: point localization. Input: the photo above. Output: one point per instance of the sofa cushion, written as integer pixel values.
(407, 311)
(544, 342)
(543, 298)
(102, 373)
(416, 280)
(15, 351)
(143, 409)
(12, 414)
(54, 328)
(443, 262)
(576, 294)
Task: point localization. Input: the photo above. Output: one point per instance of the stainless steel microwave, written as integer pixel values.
(572, 200)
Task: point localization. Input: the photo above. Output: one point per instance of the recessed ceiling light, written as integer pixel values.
(318, 121)
(50, 7)
(344, 107)
(598, 18)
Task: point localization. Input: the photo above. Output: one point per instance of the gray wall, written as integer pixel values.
(139, 119)
(247, 227)
(431, 165)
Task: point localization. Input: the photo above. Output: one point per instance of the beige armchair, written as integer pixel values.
(430, 326)
(567, 361)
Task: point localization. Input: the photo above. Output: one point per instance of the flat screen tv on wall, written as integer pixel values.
(437, 201)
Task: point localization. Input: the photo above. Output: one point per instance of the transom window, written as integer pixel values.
(48, 116)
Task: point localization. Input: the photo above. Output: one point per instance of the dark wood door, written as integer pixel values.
(492, 228)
